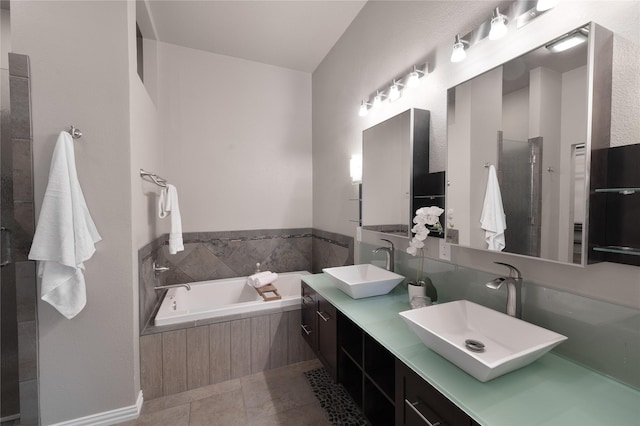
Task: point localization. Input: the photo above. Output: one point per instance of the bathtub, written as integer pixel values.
(219, 298)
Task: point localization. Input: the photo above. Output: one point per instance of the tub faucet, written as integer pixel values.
(514, 289)
(163, 287)
(390, 252)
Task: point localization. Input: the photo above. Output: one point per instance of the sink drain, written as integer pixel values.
(474, 345)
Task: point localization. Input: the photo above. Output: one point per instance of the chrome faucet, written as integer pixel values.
(157, 270)
(163, 287)
(390, 252)
(514, 289)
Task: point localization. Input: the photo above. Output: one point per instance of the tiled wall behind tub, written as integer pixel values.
(216, 255)
(330, 249)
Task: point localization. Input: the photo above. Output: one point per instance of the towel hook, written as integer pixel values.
(74, 132)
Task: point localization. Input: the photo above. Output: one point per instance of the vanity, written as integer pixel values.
(395, 379)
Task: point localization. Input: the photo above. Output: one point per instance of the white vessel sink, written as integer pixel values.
(509, 343)
(359, 281)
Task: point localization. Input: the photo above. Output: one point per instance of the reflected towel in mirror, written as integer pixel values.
(493, 220)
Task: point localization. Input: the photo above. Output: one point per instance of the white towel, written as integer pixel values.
(65, 236)
(168, 204)
(261, 279)
(493, 219)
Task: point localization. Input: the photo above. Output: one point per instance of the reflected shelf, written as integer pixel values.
(619, 250)
(623, 191)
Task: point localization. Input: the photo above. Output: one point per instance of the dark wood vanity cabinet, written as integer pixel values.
(419, 404)
(384, 388)
(319, 328)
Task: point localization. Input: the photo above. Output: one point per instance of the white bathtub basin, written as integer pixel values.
(359, 281)
(509, 343)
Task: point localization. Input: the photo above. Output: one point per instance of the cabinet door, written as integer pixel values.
(309, 318)
(423, 405)
(327, 335)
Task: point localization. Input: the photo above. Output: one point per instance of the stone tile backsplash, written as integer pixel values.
(228, 254)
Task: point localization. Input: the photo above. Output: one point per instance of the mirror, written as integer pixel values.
(395, 173)
(529, 120)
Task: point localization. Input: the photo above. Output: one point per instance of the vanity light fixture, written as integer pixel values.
(377, 100)
(394, 91)
(567, 41)
(413, 79)
(458, 54)
(364, 109)
(543, 5)
(498, 25)
(355, 169)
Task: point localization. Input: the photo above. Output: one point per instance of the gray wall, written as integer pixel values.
(386, 39)
(80, 75)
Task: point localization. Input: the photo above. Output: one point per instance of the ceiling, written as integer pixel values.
(295, 34)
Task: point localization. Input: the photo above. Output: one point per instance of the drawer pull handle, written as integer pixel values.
(307, 299)
(321, 315)
(7, 249)
(413, 407)
(305, 329)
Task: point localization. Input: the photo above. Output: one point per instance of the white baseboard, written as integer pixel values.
(107, 418)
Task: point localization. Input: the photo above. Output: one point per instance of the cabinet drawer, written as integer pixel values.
(422, 404)
(308, 325)
(327, 335)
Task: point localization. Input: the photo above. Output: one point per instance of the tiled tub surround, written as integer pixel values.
(180, 357)
(176, 361)
(216, 255)
(602, 336)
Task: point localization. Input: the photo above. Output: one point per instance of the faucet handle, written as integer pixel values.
(512, 270)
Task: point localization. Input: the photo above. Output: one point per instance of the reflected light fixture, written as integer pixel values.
(377, 101)
(364, 109)
(355, 168)
(567, 41)
(458, 54)
(498, 25)
(394, 91)
(543, 5)
(413, 80)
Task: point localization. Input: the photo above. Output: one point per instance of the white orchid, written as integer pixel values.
(424, 216)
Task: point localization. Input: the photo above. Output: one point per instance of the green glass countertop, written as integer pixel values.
(550, 391)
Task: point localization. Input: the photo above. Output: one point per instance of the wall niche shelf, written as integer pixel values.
(614, 205)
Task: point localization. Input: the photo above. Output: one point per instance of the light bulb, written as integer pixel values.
(377, 101)
(363, 109)
(355, 168)
(458, 54)
(498, 25)
(413, 80)
(543, 5)
(394, 92)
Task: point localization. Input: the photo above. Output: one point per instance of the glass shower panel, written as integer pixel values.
(519, 177)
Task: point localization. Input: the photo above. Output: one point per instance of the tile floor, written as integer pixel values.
(275, 397)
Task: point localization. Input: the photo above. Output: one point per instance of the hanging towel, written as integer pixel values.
(65, 236)
(168, 204)
(261, 279)
(493, 219)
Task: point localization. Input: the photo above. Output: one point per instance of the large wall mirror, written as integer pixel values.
(395, 173)
(530, 121)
